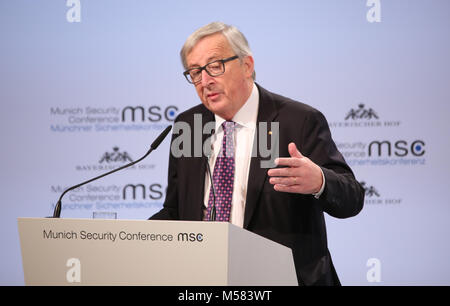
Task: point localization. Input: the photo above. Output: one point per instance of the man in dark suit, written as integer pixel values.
(285, 203)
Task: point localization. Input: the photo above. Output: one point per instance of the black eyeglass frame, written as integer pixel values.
(223, 61)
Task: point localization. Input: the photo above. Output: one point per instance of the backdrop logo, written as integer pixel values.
(399, 148)
(370, 191)
(374, 197)
(363, 116)
(115, 156)
(151, 114)
(142, 192)
(111, 119)
(111, 160)
(111, 197)
(383, 152)
(361, 113)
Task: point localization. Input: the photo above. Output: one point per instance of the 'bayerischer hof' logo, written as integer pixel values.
(112, 159)
(115, 156)
(370, 191)
(363, 116)
(361, 113)
(374, 197)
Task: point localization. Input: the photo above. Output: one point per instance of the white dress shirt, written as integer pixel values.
(244, 132)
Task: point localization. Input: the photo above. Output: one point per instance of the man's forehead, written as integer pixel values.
(208, 48)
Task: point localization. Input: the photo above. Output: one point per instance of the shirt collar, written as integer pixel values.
(247, 114)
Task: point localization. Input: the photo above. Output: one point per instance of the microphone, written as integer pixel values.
(153, 146)
(212, 215)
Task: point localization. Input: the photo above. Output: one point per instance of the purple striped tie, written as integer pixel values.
(223, 176)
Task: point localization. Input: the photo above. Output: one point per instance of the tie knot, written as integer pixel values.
(228, 127)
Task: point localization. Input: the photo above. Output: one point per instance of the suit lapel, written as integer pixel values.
(199, 167)
(267, 112)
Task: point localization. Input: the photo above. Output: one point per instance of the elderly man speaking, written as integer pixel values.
(285, 203)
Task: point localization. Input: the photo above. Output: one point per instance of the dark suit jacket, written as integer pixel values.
(294, 220)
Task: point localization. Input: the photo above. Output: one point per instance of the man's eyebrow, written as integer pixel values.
(209, 60)
(212, 58)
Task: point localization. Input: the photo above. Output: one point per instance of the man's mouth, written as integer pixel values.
(212, 95)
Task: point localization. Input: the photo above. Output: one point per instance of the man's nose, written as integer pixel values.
(206, 78)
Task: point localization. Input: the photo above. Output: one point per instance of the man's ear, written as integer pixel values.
(249, 65)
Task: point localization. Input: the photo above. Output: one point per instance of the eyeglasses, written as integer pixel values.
(215, 68)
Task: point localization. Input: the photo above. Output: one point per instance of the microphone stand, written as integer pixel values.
(154, 145)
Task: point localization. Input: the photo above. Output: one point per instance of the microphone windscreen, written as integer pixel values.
(160, 138)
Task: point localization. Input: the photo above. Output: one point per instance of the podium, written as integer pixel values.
(142, 252)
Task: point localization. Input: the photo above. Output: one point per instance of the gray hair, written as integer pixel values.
(235, 38)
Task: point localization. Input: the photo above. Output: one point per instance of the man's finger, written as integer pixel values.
(293, 151)
(281, 172)
(286, 181)
(284, 188)
(288, 161)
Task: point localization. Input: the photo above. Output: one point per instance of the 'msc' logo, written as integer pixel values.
(400, 148)
(153, 113)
